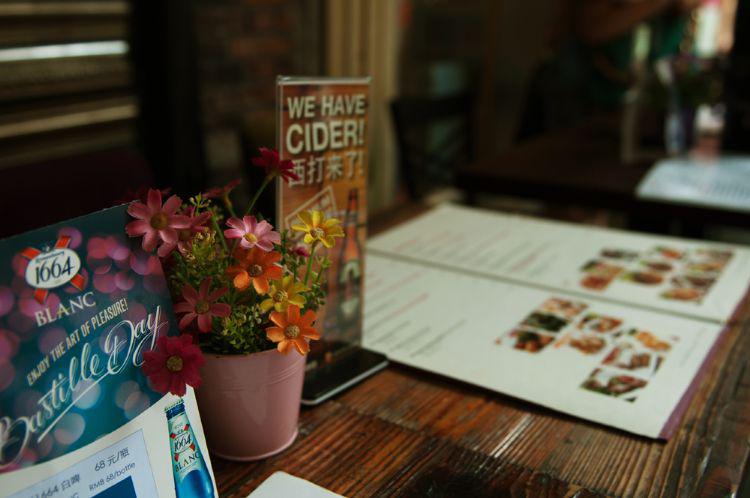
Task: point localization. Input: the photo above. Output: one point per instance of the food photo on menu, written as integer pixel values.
(374, 248)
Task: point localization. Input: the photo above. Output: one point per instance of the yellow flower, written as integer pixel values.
(319, 229)
(283, 293)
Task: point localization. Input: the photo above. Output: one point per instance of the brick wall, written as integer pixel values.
(242, 46)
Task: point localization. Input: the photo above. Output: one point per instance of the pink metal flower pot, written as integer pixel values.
(249, 404)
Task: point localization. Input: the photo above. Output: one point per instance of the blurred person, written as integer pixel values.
(592, 68)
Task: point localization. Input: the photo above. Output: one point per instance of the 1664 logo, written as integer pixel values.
(53, 267)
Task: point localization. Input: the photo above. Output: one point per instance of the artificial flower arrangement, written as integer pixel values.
(238, 285)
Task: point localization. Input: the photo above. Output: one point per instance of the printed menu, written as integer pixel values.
(697, 279)
(619, 366)
(80, 303)
(606, 325)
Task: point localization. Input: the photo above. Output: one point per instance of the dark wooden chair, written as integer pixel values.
(434, 136)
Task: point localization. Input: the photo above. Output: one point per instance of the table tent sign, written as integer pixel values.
(609, 326)
(80, 303)
(322, 128)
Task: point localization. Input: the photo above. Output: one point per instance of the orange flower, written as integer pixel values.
(256, 267)
(292, 329)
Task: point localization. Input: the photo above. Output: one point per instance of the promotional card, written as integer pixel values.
(80, 304)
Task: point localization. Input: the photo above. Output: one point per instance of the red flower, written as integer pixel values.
(201, 305)
(269, 159)
(301, 251)
(158, 224)
(175, 362)
(219, 192)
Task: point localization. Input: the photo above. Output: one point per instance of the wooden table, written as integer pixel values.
(405, 432)
(581, 165)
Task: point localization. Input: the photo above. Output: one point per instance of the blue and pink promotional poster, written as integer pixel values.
(80, 303)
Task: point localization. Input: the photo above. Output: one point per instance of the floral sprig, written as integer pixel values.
(239, 285)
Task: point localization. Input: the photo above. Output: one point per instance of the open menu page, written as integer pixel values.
(622, 367)
(693, 278)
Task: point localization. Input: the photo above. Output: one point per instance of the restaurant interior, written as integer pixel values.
(587, 115)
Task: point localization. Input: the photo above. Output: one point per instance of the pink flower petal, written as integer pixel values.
(187, 320)
(263, 228)
(154, 200)
(166, 249)
(172, 205)
(168, 235)
(139, 210)
(183, 307)
(249, 223)
(220, 309)
(233, 233)
(190, 294)
(265, 245)
(204, 322)
(236, 223)
(179, 221)
(150, 239)
(217, 294)
(205, 285)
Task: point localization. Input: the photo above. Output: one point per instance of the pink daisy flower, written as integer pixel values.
(201, 305)
(185, 235)
(156, 223)
(252, 233)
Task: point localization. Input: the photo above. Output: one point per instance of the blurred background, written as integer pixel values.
(556, 108)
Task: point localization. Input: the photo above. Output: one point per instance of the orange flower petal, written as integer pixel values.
(275, 334)
(273, 273)
(260, 284)
(302, 346)
(284, 347)
(310, 333)
(279, 319)
(307, 319)
(292, 314)
(241, 281)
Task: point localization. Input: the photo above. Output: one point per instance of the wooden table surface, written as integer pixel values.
(405, 432)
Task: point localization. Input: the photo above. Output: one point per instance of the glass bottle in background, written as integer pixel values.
(349, 274)
(191, 476)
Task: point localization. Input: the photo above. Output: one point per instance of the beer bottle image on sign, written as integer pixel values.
(347, 297)
(191, 476)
